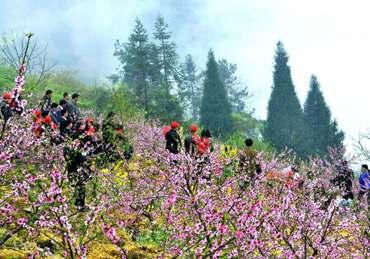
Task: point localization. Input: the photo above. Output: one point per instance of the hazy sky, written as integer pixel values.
(328, 38)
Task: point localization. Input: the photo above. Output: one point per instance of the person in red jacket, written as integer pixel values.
(89, 126)
(46, 125)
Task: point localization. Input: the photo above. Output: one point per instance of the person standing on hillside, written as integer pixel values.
(53, 114)
(74, 109)
(62, 106)
(364, 182)
(248, 161)
(173, 141)
(46, 103)
(4, 104)
(204, 144)
(191, 140)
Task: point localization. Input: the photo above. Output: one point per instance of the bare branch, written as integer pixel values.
(13, 51)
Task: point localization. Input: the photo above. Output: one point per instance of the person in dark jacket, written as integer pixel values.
(64, 121)
(78, 173)
(74, 109)
(46, 103)
(4, 105)
(345, 179)
(53, 114)
(191, 140)
(62, 106)
(173, 141)
(66, 96)
(110, 128)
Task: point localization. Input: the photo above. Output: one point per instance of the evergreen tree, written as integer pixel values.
(192, 89)
(237, 91)
(215, 111)
(284, 124)
(135, 59)
(168, 58)
(166, 75)
(322, 133)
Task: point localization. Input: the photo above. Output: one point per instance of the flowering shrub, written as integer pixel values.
(179, 206)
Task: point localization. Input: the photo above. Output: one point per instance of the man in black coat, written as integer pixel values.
(78, 173)
(64, 121)
(173, 141)
(46, 102)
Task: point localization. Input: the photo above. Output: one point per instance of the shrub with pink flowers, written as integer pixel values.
(183, 205)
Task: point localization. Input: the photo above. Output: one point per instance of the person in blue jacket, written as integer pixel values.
(364, 182)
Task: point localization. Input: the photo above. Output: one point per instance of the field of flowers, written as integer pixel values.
(160, 205)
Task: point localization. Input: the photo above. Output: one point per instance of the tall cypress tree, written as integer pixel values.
(284, 125)
(134, 58)
(322, 133)
(215, 111)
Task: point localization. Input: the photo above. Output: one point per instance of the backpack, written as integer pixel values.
(203, 145)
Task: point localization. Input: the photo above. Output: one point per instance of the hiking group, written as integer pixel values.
(64, 122)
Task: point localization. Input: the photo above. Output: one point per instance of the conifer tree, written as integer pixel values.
(321, 133)
(284, 124)
(135, 60)
(215, 111)
(237, 91)
(166, 75)
(168, 57)
(192, 90)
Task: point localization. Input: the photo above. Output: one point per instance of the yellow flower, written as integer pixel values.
(229, 190)
(277, 252)
(234, 152)
(270, 245)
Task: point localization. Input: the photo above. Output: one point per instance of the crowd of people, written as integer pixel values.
(64, 122)
(199, 145)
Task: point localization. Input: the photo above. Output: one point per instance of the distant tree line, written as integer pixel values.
(307, 131)
(164, 87)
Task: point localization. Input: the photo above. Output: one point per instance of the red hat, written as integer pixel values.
(166, 129)
(193, 128)
(120, 131)
(37, 113)
(7, 96)
(89, 119)
(47, 119)
(174, 124)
